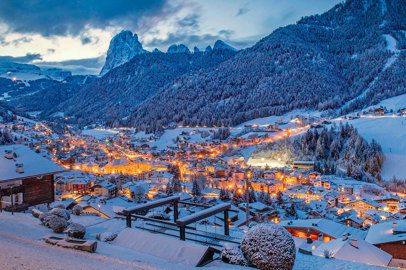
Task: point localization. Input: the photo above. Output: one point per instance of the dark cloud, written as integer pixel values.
(50, 50)
(28, 58)
(50, 17)
(85, 40)
(18, 41)
(190, 21)
(242, 11)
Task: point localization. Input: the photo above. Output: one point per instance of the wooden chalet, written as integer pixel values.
(26, 178)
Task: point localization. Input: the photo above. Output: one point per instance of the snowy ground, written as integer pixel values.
(21, 248)
(390, 133)
(394, 103)
(100, 134)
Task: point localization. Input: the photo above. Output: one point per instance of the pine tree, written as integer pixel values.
(177, 186)
(279, 198)
(196, 192)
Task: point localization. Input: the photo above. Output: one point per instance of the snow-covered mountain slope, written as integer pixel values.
(353, 52)
(26, 73)
(123, 47)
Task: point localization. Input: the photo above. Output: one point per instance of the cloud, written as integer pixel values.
(17, 42)
(190, 21)
(49, 17)
(28, 58)
(242, 11)
(50, 50)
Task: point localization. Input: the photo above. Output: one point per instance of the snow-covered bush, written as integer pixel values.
(327, 254)
(232, 254)
(56, 223)
(106, 236)
(36, 213)
(77, 210)
(61, 206)
(63, 213)
(44, 218)
(76, 230)
(269, 246)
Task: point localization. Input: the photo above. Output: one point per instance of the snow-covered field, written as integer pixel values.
(394, 103)
(100, 133)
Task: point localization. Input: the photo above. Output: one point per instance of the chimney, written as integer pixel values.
(345, 236)
(354, 243)
(19, 168)
(8, 154)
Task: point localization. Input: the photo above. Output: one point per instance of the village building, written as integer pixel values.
(362, 205)
(390, 237)
(320, 229)
(105, 189)
(322, 183)
(26, 178)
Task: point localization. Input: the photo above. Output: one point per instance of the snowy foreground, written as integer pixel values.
(21, 248)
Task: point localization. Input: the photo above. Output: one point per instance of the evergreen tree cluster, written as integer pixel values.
(336, 150)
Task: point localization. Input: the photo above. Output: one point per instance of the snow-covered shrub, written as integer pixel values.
(36, 213)
(77, 210)
(61, 206)
(269, 246)
(327, 254)
(63, 213)
(76, 230)
(232, 254)
(44, 218)
(56, 223)
(106, 236)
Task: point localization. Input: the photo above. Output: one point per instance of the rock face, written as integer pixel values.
(178, 49)
(221, 45)
(269, 246)
(123, 47)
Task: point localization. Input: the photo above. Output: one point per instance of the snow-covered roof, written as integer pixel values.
(107, 185)
(325, 226)
(119, 162)
(364, 252)
(368, 201)
(383, 232)
(33, 163)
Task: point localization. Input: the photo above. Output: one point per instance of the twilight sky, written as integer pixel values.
(75, 34)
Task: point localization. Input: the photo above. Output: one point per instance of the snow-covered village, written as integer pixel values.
(275, 148)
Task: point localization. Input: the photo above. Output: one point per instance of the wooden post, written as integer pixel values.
(182, 231)
(226, 223)
(12, 201)
(175, 211)
(128, 217)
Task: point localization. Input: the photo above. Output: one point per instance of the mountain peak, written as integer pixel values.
(221, 45)
(123, 47)
(181, 48)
